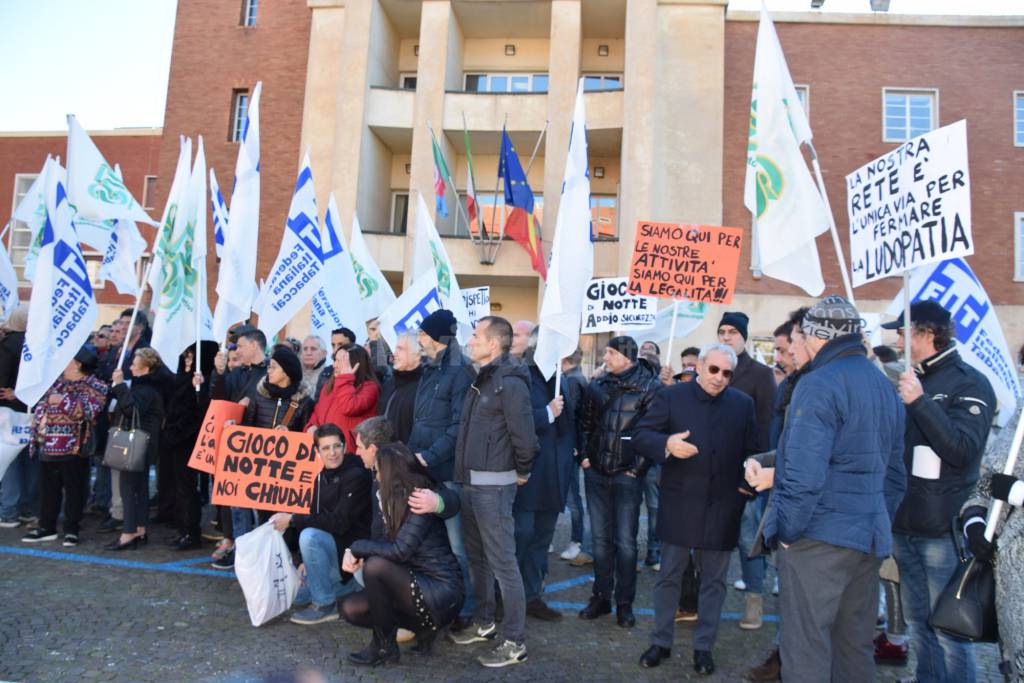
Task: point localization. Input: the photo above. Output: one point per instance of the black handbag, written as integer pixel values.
(126, 449)
(966, 608)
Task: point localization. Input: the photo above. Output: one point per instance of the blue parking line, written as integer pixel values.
(185, 563)
(174, 568)
(570, 583)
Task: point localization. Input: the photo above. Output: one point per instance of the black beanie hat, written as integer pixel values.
(439, 324)
(624, 345)
(737, 320)
(289, 362)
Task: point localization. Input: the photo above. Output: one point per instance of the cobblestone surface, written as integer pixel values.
(68, 616)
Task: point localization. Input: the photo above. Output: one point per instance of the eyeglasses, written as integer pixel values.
(714, 370)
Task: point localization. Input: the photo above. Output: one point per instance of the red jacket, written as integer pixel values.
(346, 406)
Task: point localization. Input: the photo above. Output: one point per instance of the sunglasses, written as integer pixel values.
(714, 370)
(232, 347)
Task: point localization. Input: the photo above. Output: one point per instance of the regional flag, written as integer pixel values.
(472, 207)
(520, 225)
(440, 173)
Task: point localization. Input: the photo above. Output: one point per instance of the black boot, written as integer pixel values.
(424, 641)
(383, 648)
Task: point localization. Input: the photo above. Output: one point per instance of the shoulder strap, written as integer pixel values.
(290, 413)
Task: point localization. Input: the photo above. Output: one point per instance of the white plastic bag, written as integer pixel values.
(264, 569)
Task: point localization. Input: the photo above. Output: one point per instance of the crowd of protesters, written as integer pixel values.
(446, 469)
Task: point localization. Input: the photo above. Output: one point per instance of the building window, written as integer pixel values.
(399, 212)
(249, 8)
(149, 193)
(595, 82)
(1018, 246)
(1018, 119)
(908, 113)
(239, 110)
(506, 82)
(604, 216)
(803, 93)
(407, 81)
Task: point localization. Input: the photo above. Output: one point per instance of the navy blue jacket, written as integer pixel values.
(839, 474)
(701, 505)
(553, 467)
(439, 398)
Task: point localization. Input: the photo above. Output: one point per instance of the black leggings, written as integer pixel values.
(391, 598)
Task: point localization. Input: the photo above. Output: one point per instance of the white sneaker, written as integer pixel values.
(740, 585)
(571, 551)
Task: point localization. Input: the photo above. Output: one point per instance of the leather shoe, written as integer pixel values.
(624, 615)
(538, 609)
(703, 663)
(597, 607)
(187, 542)
(653, 656)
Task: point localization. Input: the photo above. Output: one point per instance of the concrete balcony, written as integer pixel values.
(488, 111)
(604, 109)
(389, 113)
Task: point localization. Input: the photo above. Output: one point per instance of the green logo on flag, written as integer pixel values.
(444, 275)
(367, 284)
(107, 187)
(769, 179)
(179, 282)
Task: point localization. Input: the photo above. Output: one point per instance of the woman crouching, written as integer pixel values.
(411, 577)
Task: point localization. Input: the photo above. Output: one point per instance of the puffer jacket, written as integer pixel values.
(439, 400)
(839, 472)
(421, 546)
(341, 505)
(268, 412)
(611, 408)
(346, 405)
(948, 427)
(496, 442)
(146, 399)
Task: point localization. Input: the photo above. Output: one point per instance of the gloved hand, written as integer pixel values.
(981, 548)
(1001, 485)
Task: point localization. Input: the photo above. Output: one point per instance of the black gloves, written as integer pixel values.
(982, 548)
(1001, 485)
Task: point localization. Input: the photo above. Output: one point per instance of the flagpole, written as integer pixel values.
(135, 313)
(558, 379)
(535, 148)
(832, 225)
(672, 332)
(451, 181)
(1011, 463)
(497, 185)
(472, 180)
(907, 327)
(201, 287)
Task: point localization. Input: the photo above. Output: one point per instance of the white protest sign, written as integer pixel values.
(608, 306)
(911, 207)
(478, 303)
(979, 337)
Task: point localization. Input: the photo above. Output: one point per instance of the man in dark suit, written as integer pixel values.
(700, 432)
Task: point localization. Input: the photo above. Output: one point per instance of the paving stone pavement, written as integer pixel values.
(70, 615)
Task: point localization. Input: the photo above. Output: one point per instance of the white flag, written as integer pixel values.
(15, 433)
(220, 215)
(979, 337)
(787, 209)
(32, 212)
(236, 282)
(429, 257)
(8, 285)
(689, 315)
(123, 251)
(338, 303)
(572, 254)
(408, 311)
(62, 310)
(95, 191)
(179, 304)
(298, 271)
(374, 289)
(174, 206)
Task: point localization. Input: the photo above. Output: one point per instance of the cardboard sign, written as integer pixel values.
(609, 306)
(911, 207)
(478, 303)
(204, 453)
(265, 469)
(684, 261)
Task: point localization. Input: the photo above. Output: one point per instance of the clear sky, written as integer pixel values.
(107, 61)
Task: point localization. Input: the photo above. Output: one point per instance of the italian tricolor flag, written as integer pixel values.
(440, 173)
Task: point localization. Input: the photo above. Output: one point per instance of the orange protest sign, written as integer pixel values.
(204, 453)
(683, 261)
(265, 469)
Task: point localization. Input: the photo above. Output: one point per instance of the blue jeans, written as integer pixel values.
(101, 489)
(243, 520)
(19, 490)
(322, 585)
(925, 566)
(580, 528)
(453, 525)
(614, 504)
(651, 496)
(754, 568)
(534, 531)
